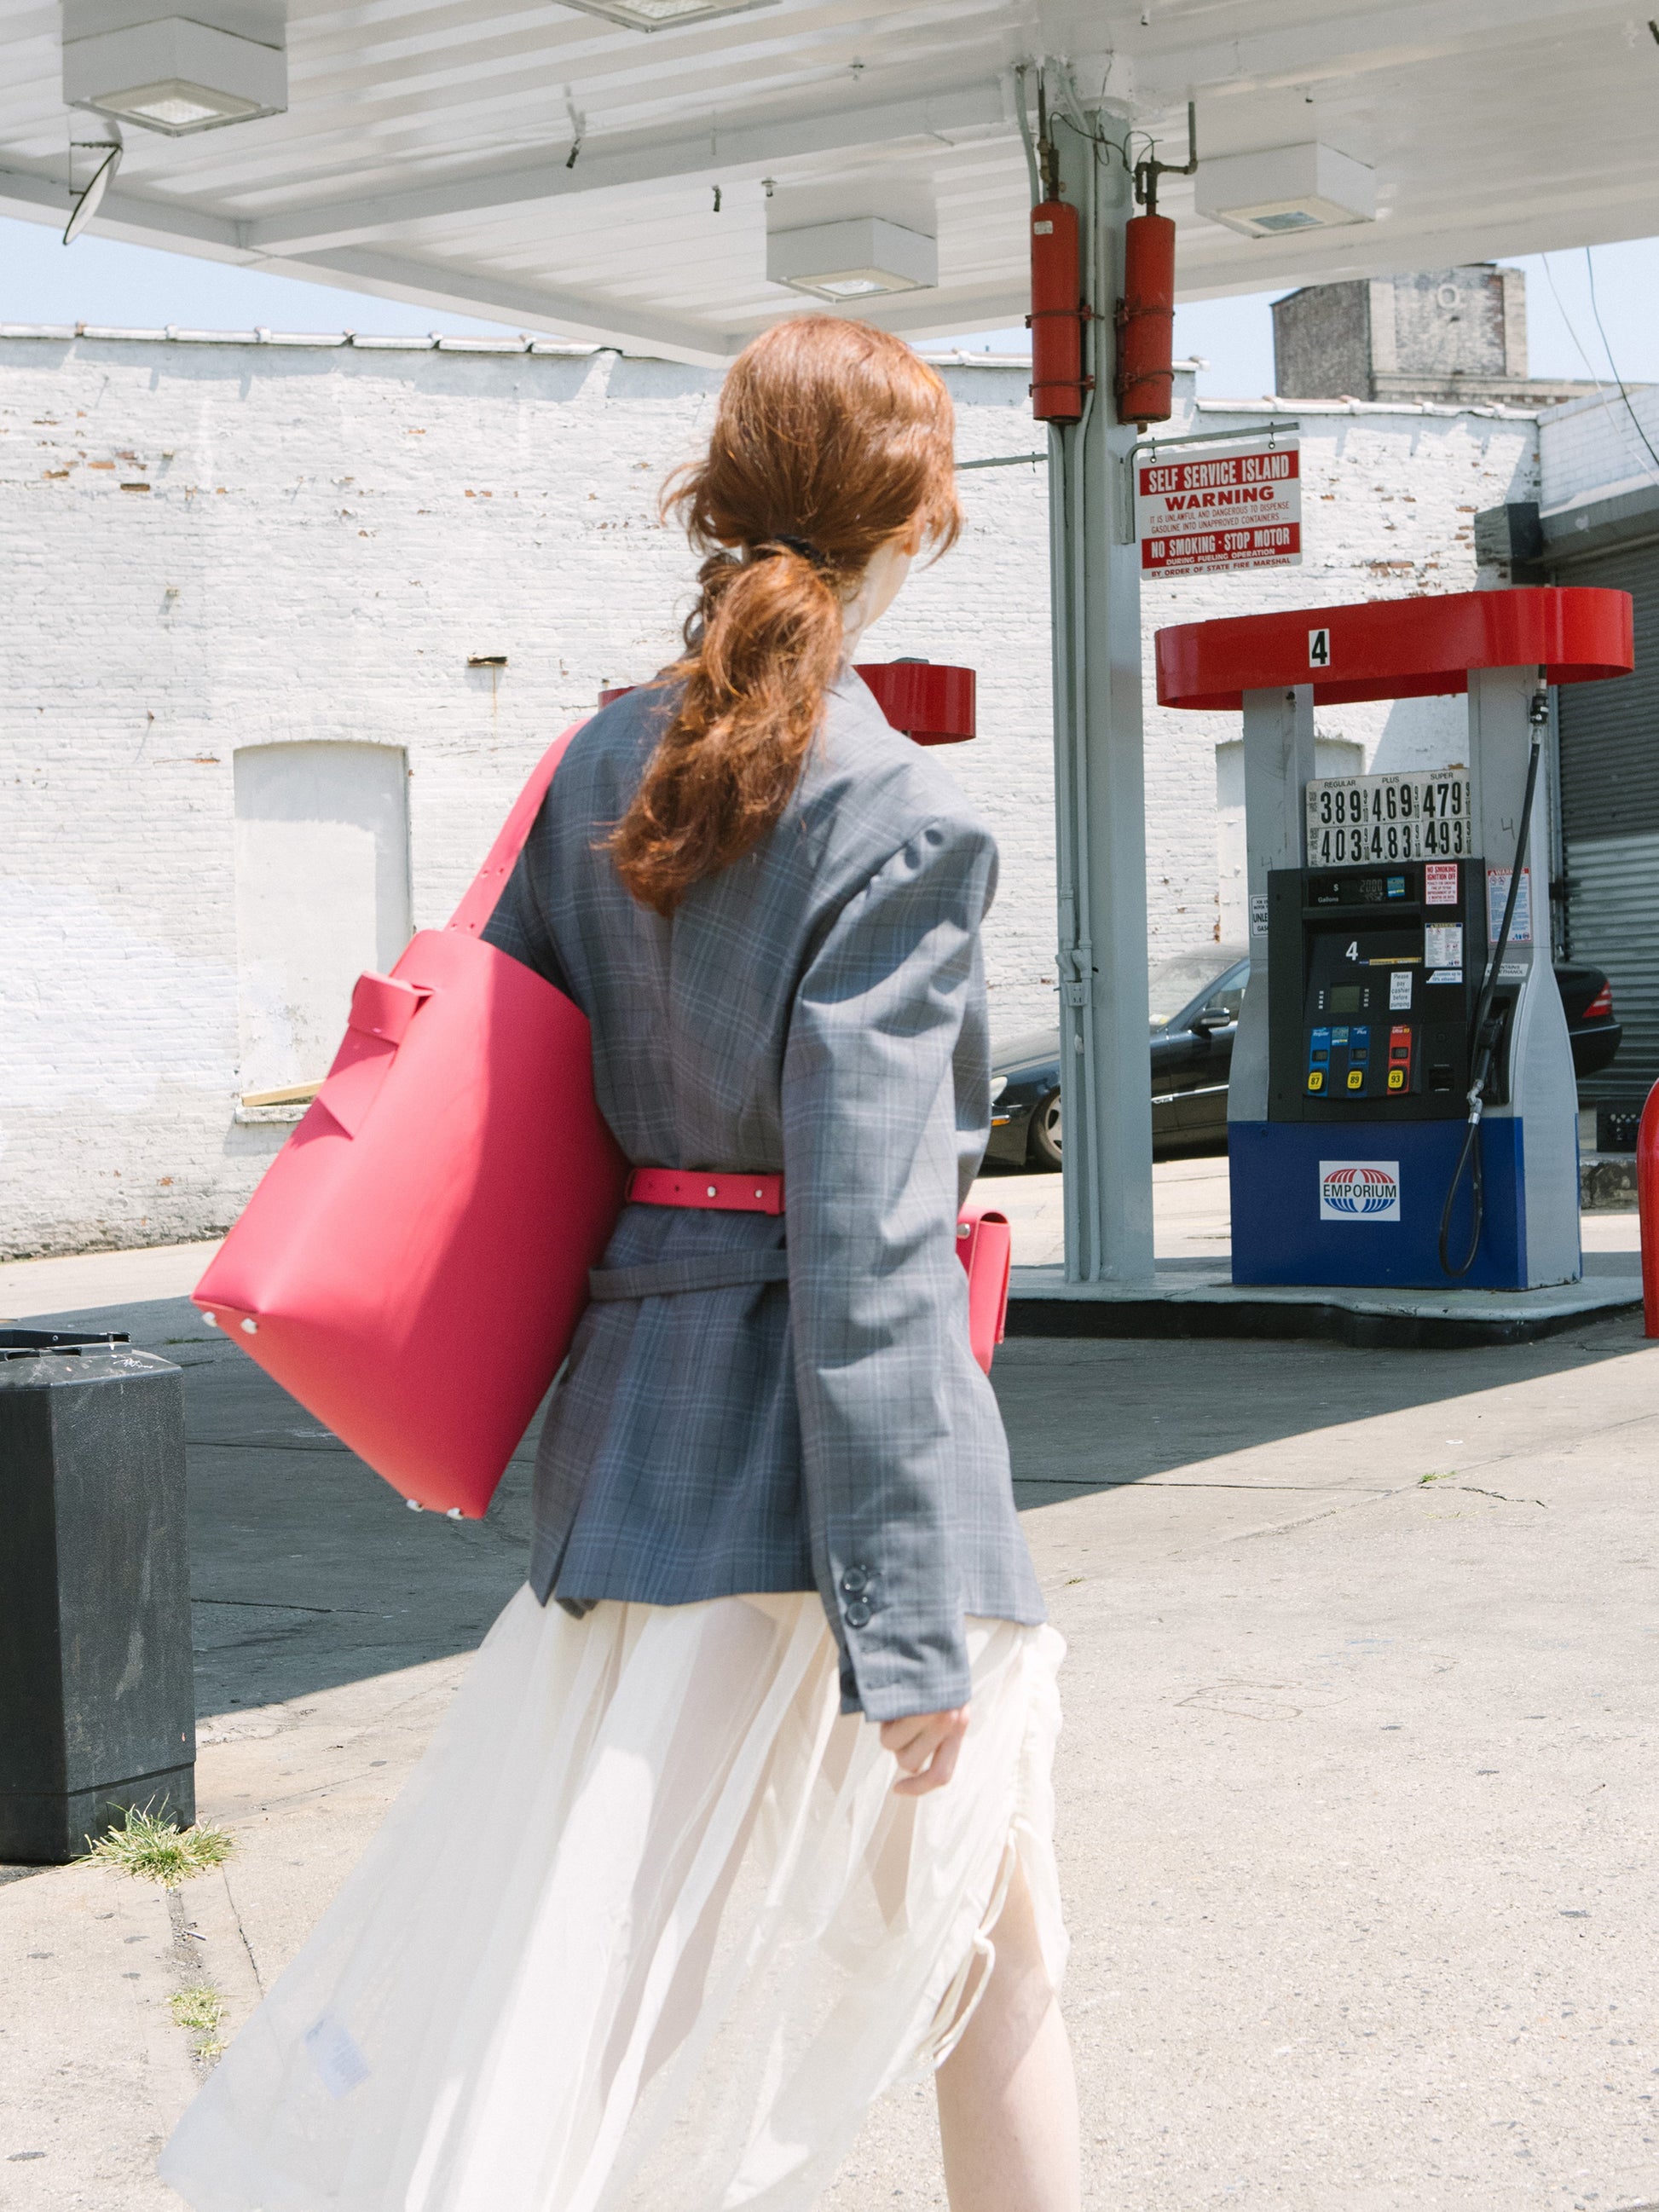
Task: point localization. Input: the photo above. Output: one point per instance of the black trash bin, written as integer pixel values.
(97, 1709)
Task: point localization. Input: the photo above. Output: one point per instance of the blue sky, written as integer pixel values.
(98, 281)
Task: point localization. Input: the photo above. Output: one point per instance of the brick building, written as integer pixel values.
(288, 620)
(1456, 336)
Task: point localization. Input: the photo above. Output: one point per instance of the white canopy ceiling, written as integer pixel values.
(424, 151)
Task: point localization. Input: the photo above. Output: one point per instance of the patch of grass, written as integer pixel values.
(201, 2009)
(1446, 1474)
(152, 1848)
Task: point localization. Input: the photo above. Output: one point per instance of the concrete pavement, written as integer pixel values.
(1356, 1793)
(1191, 1215)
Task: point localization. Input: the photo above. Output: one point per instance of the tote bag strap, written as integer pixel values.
(486, 887)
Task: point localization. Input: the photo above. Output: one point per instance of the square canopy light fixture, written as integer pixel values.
(853, 260)
(1308, 187)
(175, 75)
(662, 14)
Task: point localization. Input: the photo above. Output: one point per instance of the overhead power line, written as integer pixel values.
(1596, 376)
(1624, 390)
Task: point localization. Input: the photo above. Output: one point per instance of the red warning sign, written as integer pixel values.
(1237, 509)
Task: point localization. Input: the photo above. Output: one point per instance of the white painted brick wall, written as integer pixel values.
(1592, 444)
(329, 534)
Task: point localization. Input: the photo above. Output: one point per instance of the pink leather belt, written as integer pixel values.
(983, 1246)
(712, 1190)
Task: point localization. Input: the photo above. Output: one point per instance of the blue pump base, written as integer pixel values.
(1382, 1185)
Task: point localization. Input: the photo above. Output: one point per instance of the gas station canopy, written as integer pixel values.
(675, 188)
(1397, 648)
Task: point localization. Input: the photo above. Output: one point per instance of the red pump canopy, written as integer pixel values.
(926, 699)
(1397, 648)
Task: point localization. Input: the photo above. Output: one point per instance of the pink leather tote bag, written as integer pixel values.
(415, 1261)
(413, 1264)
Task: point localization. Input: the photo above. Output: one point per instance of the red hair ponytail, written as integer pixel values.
(831, 438)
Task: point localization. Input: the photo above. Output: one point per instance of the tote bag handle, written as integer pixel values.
(487, 886)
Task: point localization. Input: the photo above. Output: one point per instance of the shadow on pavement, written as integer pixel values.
(1094, 1414)
(309, 1571)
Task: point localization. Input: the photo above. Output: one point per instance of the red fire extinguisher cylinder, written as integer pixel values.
(1058, 383)
(1145, 387)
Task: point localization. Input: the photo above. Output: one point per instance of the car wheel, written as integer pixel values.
(1045, 1132)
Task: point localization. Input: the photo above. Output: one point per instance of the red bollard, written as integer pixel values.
(1647, 1206)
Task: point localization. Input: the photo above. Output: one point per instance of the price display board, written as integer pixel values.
(1203, 515)
(1409, 816)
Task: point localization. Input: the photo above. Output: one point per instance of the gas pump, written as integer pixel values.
(1402, 1109)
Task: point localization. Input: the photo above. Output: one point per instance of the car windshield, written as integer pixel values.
(1179, 977)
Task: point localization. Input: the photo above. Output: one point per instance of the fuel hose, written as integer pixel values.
(1486, 1028)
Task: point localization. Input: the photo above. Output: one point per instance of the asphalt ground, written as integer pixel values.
(1357, 1792)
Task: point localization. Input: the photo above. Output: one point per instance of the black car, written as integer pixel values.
(1192, 1051)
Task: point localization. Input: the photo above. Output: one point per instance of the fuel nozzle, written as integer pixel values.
(1489, 1038)
(1491, 1029)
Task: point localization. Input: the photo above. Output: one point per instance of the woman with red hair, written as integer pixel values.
(744, 1810)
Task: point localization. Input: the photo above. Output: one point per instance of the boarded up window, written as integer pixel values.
(322, 894)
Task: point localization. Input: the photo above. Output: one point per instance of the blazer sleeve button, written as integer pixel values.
(857, 1615)
(855, 1581)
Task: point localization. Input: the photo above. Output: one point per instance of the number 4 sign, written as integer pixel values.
(1319, 648)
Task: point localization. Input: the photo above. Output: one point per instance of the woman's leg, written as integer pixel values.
(1007, 2098)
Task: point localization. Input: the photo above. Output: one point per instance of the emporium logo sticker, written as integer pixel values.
(1360, 1190)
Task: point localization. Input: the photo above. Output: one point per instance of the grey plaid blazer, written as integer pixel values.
(745, 1409)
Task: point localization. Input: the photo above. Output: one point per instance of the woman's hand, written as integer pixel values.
(926, 1745)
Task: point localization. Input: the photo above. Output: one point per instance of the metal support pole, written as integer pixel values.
(1279, 764)
(1099, 775)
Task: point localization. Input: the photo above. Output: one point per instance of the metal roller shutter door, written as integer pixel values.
(1610, 824)
(1614, 911)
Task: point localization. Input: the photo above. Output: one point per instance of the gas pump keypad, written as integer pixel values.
(1340, 1061)
(1359, 1049)
(1400, 1058)
(1359, 965)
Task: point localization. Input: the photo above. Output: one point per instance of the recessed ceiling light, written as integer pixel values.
(175, 106)
(175, 75)
(1287, 188)
(662, 14)
(853, 260)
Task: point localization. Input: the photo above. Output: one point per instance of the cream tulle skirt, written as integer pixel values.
(646, 1928)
